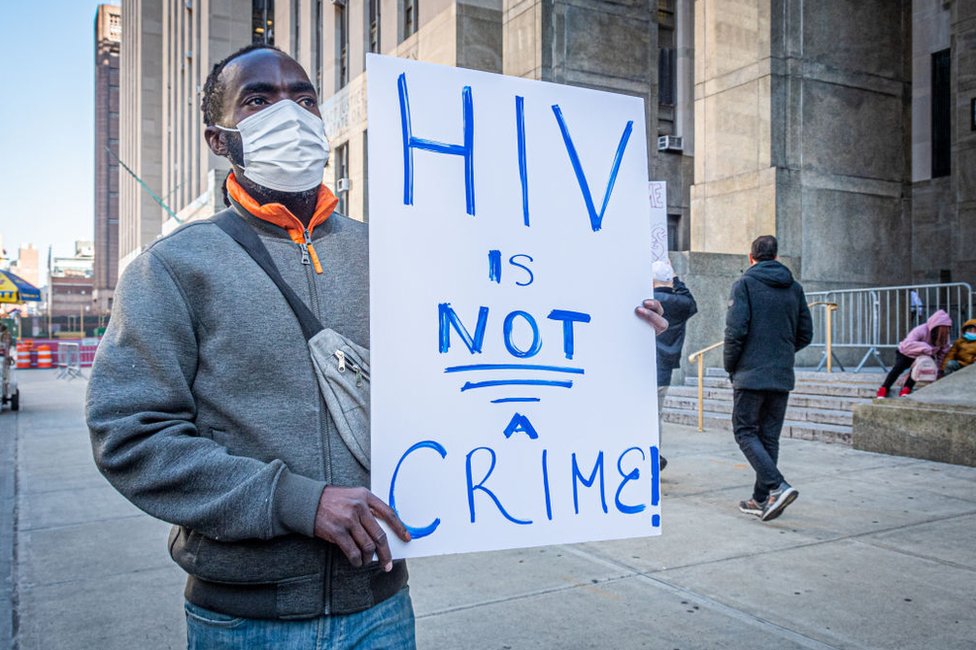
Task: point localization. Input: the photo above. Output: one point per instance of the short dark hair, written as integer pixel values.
(764, 248)
(212, 102)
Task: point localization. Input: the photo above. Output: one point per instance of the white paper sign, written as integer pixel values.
(658, 194)
(513, 387)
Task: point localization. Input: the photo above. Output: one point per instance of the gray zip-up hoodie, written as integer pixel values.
(205, 412)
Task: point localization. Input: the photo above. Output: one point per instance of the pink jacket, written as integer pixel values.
(917, 343)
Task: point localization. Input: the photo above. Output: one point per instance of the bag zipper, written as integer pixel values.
(345, 361)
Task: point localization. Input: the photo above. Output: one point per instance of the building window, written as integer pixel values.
(667, 81)
(676, 234)
(317, 49)
(941, 114)
(115, 26)
(373, 26)
(342, 177)
(342, 45)
(666, 76)
(262, 21)
(410, 16)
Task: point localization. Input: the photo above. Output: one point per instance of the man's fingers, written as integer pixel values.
(347, 517)
(387, 514)
(378, 536)
(654, 305)
(365, 546)
(349, 548)
(655, 320)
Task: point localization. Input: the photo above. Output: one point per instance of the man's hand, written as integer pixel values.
(347, 518)
(652, 312)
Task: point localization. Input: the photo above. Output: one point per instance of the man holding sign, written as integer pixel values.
(225, 434)
(204, 406)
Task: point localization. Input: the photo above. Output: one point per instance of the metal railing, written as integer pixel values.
(878, 318)
(828, 327)
(699, 356)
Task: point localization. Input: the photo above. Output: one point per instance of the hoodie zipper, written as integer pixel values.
(306, 258)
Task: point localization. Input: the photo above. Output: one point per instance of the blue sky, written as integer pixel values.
(46, 125)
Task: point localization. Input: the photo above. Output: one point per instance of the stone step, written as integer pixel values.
(865, 377)
(804, 400)
(868, 377)
(791, 428)
(859, 390)
(793, 412)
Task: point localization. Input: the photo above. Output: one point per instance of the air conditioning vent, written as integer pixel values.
(670, 143)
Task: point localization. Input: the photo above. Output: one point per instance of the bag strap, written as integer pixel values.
(232, 224)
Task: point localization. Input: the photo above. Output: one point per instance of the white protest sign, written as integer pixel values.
(513, 388)
(657, 192)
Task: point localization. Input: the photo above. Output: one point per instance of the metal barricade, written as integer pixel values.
(878, 318)
(69, 361)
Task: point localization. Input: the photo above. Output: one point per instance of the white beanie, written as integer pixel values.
(662, 271)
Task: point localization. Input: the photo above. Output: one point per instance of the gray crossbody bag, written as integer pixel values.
(342, 367)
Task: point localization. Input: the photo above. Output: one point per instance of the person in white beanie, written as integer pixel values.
(679, 305)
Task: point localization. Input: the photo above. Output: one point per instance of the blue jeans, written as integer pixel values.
(389, 624)
(757, 419)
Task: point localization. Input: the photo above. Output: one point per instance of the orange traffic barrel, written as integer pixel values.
(23, 355)
(43, 356)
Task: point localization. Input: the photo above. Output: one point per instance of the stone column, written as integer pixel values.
(802, 111)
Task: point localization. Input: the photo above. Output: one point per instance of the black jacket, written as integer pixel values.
(768, 321)
(679, 305)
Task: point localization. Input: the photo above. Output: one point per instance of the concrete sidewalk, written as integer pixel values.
(878, 552)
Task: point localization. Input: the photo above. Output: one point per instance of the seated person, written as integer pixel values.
(930, 339)
(963, 351)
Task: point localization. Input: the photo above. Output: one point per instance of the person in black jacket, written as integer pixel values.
(768, 321)
(679, 305)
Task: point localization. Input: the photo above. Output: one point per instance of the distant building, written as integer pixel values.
(27, 264)
(108, 36)
(71, 284)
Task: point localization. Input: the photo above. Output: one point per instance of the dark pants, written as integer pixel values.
(902, 363)
(757, 419)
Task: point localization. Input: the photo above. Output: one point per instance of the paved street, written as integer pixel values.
(878, 552)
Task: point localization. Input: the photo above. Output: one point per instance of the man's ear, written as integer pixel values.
(216, 140)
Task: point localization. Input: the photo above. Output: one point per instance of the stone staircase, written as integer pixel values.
(820, 408)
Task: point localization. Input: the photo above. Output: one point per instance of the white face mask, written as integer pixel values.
(285, 147)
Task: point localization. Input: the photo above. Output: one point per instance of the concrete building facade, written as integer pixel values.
(847, 129)
(195, 36)
(331, 40)
(108, 36)
(140, 126)
(943, 142)
(165, 66)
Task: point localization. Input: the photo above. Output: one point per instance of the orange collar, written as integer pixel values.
(279, 215)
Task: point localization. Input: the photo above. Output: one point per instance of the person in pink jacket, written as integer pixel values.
(931, 338)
